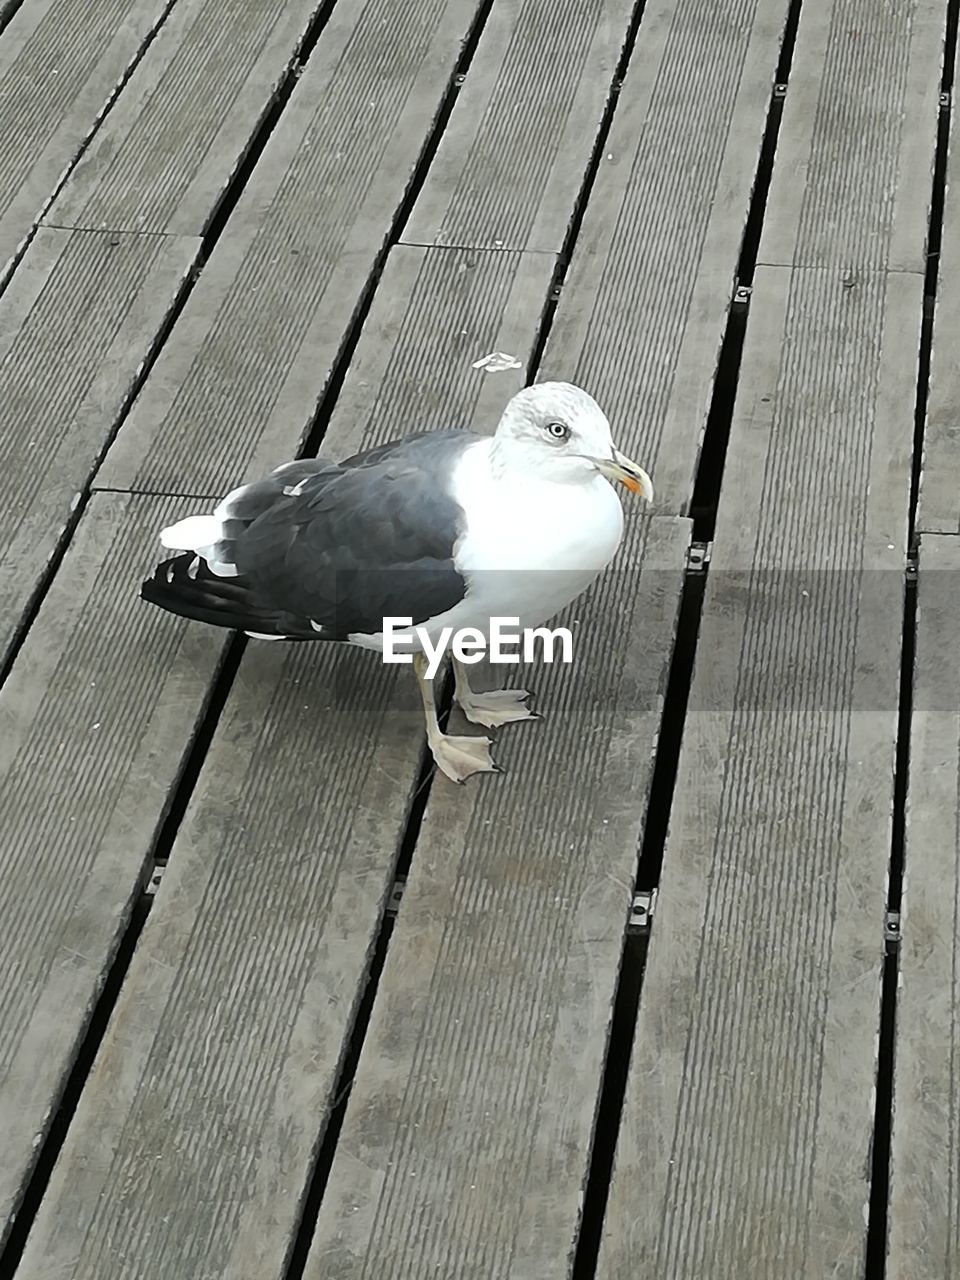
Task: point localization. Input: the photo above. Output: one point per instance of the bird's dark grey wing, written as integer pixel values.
(245, 505)
(331, 549)
(409, 445)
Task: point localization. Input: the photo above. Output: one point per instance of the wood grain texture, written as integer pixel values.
(193, 1140)
(857, 138)
(253, 350)
(95, 720)
(646, 297)
(745, 1142)
(924, 1235)
(515, 152)
(165, 153)
(745, 1146)
(60, 64)
(467, 1137)
(76, 326)
(939, 506)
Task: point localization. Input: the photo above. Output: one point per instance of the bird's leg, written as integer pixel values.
(498, 706)
(457, 757)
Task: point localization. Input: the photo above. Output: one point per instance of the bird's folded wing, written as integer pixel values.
(341, 547)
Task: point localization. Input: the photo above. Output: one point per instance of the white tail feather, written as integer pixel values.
(196, 533)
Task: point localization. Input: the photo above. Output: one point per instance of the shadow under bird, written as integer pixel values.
(448, 528)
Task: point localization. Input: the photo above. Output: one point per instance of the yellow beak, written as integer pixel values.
(620, 468)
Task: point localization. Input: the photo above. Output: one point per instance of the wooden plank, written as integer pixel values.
(76, 325)
(60, 65)
(520, 137)
(746, 1136)
(165, 153)
(467, 1138)
(95, 719)
(645, 303)
(193, 1138)
(254, 347)
(924, 1213)
(863, 90)
(939, 506)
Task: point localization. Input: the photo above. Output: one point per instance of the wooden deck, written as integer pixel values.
(275, 1000)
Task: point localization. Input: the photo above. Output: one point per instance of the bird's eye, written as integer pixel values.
(558, 430)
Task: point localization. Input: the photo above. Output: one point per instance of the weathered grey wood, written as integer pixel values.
(745, 1143)
(518, 143)
(467, 1135)
(467, 1138)
(645, 301)
(924, 1213)
(167, 150)
(60, 65)
(76, 325)
(857, 138)
(939, 506)
(95, 720)
(252, 352)
(193, 1138)
(746, 1137)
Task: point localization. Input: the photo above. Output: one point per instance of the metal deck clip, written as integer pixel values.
(891, 931)
(396, 896)
(641, 912)
(698, 557)
(153, 884)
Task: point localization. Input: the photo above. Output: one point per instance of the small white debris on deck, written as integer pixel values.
(496, 362)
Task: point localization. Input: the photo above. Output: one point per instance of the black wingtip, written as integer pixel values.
(185, 586)
(151, 589)
(200, 595)
(147, 591)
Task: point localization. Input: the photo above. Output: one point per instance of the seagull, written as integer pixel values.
(447, 528)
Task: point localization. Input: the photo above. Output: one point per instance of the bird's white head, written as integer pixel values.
(562, 434)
